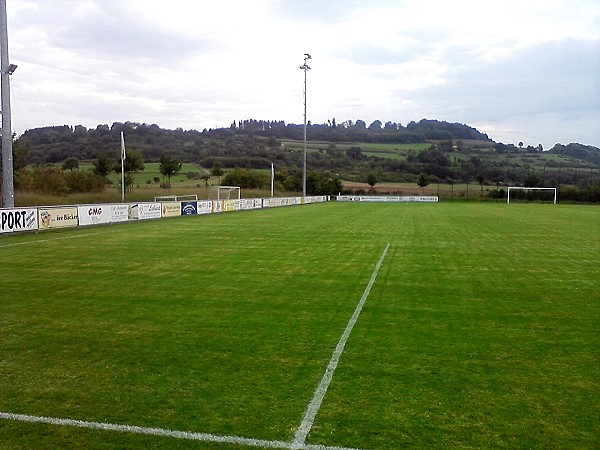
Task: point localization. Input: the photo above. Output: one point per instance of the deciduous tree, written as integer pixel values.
(169, 166)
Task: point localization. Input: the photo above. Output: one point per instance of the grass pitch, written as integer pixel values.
(480, 331)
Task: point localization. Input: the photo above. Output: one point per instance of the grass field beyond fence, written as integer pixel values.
(480, 329)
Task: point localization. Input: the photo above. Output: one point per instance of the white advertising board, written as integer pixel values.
(102, 214)
(93, 214)
(205, 207)
(18, 219)
(149, 211)
(143, 211)
(119, 213)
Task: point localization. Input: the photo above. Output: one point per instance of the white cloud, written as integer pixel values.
(517, 68)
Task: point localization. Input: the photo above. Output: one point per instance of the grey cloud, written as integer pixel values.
(559, 76)
(111, 33)
(318, 10)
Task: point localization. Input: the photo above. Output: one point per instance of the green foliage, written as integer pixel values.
(422, 181)
(355, 153)
(169, 166)
(532, 180)
(20, 155)
(71, 163)
(446, 152)
(372, 179)
(134, 162)
(583, 152)
(217, 170)
(246, 179)
(54, 180)
(103, 166)
(324, 183)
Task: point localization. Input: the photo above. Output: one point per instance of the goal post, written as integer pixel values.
(224, 192)
(518, 188)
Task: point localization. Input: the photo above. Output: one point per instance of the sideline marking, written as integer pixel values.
(315, 403)
(203, 437)
(37, 241)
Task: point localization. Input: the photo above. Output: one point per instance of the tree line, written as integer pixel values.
(449, 153)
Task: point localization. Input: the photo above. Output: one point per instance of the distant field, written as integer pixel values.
(152, 171)
(479, 329)
(391, 151)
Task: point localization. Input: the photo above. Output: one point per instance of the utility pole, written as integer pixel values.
(6, 69)
(306, 69)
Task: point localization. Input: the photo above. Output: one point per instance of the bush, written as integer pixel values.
(54, 180)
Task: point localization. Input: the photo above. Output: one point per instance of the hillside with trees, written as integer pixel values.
(443, 152)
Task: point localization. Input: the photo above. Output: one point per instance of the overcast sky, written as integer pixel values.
(526, 70)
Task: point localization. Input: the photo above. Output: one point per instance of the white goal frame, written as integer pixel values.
(518, 188)
(177, 198)
(228, 190)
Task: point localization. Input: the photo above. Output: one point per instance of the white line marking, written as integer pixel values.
(38, 241)
(203, 437)
(315, 404)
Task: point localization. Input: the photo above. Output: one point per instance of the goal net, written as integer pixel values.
(516, 189)
(224, 192)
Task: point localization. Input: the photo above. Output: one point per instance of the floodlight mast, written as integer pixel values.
(306, 68)
(6, 70)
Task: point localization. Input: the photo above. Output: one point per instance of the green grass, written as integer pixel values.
(152, 170)
(480, 331)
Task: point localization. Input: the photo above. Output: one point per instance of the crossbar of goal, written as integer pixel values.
(518, 188)
(176, 198)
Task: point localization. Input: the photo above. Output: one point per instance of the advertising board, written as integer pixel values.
(149, 211)
(171, 209)
(205, 207)
(59, 217)
(217, 206)
(143, 211)
(93, 214)
(390, 198)
(18, 219)
(189, 208)
(118, 212)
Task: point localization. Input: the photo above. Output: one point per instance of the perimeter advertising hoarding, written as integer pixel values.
(171, 209)
(143, 211)
(61, 217)
(380, 198)
(189, 208)
(240, 205)
(228, 205)
(102, 214)
(119, 213)
(24, 219)
(94, 214)
(205, 207)
(244, 204)
(217, 206)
